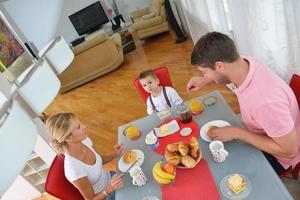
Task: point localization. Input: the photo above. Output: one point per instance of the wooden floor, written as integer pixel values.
(112, 100)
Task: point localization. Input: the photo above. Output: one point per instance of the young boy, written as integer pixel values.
(160, 96)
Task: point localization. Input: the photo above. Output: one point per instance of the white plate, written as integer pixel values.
(219, 123)
(185, 131)
(228, 193)
(123, 167)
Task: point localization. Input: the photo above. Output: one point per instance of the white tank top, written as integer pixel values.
(75, 169)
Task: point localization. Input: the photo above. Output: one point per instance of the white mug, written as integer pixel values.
(138, 176)
(217, 151)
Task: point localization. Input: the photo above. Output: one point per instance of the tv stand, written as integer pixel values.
(77, 41)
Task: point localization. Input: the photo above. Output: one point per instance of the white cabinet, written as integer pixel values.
(35, 172)
(30, 183)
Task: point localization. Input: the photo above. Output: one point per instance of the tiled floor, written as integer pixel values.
(293, 187)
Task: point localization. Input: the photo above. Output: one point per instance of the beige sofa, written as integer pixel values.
(96, 56)
(150, 20)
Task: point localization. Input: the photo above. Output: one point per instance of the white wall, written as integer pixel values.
(42, 20)
(37, 19)
(131, 5)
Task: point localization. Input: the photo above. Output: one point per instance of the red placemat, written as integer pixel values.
(176, 137)
(192, 184)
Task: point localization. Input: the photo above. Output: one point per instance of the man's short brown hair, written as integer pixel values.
(147, 73)
(213, 47)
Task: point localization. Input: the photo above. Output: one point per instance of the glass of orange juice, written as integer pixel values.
(132, 132)
(196, 106)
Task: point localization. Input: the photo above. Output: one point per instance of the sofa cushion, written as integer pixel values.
(141, 24)
(91, 41)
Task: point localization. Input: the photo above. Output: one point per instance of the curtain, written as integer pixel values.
(268, 30)
(202, 16)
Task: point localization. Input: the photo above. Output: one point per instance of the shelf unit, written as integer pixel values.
(35, 172)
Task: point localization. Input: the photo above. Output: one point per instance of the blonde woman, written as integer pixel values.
(83, 165)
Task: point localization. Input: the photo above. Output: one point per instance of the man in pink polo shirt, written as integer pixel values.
(268, 105)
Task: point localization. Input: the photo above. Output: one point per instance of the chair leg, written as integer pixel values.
(295, 171)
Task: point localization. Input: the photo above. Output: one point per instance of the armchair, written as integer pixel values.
(150, 20)
(96, 56)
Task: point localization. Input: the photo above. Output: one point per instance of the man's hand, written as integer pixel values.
(196, 83)
(225, 134)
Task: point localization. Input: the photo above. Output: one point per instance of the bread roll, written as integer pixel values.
(129, 157)
(183, 148)
(209, 130)
(172, 157)
(172, 147)
(188, 161)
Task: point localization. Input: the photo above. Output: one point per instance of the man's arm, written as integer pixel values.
(197, 82)
(285, 146)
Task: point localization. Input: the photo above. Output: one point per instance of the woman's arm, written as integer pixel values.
(119, 148)
(87, 191)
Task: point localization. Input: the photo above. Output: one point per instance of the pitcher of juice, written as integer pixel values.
(132, 132)
(196, 106)
(184, 113)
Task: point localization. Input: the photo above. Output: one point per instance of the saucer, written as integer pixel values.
(218, 123)
(185, 131)
(123, 167)
(229, 194)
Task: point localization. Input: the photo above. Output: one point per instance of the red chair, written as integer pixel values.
(162, 74)
(295, 85)
(57, 184)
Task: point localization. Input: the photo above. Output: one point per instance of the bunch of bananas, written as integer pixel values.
(160, 175)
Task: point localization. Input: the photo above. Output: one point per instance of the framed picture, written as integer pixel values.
(10, 48)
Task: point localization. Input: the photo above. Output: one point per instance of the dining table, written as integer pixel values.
(242, 158)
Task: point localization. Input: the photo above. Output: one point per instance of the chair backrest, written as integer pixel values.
(57, 184)
(295, 85)
(162, 74)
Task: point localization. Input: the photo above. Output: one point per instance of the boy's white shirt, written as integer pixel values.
(160, 101)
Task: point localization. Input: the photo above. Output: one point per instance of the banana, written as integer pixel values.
(161, 176)
(157, 168)
(160, 179)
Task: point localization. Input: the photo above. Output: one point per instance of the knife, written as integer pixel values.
(130, 167)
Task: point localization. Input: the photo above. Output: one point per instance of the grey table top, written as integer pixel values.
(243, 158)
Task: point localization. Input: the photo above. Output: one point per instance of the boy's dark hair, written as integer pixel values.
(213, 47)
(147, 73)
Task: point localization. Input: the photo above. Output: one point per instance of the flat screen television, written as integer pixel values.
(89, 19)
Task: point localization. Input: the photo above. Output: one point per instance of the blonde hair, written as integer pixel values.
(60, 127)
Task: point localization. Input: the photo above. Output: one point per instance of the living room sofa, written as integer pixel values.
(151, 20)
(99, 54)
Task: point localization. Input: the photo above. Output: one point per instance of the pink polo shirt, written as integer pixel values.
(268, 105)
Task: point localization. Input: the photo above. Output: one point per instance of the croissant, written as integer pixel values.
(172, 157)
(194, 144)
(183, 148)
(172, 147)
(194, 153)
(188, 161)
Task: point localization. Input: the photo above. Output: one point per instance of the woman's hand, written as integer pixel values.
(119, 149)
(196, 83)
(115, 183)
